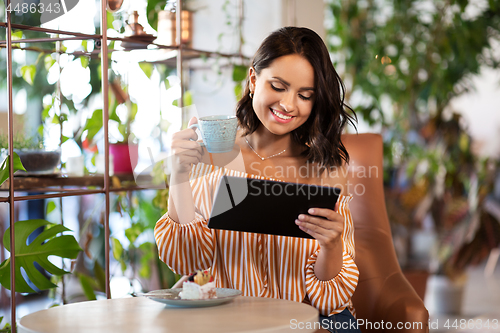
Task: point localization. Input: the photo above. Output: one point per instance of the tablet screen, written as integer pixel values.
(266, 206)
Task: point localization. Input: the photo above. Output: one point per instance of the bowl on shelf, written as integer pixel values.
(39, 161)
(138, 41)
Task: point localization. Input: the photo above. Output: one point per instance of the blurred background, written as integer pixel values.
(423, 74)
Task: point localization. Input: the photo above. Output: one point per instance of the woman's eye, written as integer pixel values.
(276, 88)
(305, 98)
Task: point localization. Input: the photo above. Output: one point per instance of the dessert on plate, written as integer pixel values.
(200, 285)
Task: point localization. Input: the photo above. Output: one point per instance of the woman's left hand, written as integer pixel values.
(325, 225)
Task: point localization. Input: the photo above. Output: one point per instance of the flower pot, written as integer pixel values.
(37, 161)
(125, 157)
(418, 280)
(445, 295)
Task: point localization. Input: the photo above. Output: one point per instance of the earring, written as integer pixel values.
(250, 94)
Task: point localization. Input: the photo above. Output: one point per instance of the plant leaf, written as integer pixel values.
(100, 276)
(48, 61)
(118, 253)
(147, 68)
(133, 112)
(239, 73)
(188, 98)
(117, 248)
(133, 232)
(86, 282)
(93, 124)
(112, 112)
(4, 168)
(238, 90)
(51, 205)
(146, 260)
(152, 9)
(44, 245)
(17, 35)
(28, 72)
(111, 19)
(46, 110)
(84, 61)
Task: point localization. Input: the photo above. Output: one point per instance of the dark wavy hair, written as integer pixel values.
(321, 133)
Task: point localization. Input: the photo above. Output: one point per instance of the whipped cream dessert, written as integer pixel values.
(200, 285)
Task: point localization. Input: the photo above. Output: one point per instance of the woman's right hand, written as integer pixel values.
(185, 150)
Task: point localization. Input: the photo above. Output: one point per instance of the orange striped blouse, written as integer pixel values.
(257, 264)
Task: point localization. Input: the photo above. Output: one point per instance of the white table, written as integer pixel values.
(139, 314)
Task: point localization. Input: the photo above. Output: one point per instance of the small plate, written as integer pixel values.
(171, 297)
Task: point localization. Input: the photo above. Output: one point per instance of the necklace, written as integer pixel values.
(263, 158)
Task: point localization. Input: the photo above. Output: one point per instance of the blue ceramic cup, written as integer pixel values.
(218, 132)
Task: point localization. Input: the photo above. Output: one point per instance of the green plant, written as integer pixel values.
(46, 244)
(21, 141)
(141, 254)
(403, 62)
(417, 58)
(454, 184)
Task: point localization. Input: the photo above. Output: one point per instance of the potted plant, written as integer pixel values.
(34, 157)
(466, 232)
(402, 70)
(123, 149)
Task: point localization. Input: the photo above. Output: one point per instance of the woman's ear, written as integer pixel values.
(252, 77)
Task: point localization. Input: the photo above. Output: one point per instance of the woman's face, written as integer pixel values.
(283, 93)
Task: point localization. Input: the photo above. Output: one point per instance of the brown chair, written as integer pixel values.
(383, 293)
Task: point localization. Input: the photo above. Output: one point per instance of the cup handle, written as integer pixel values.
(198, 127)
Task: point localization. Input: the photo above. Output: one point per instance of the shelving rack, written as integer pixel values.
(106, 181)
(58, 187)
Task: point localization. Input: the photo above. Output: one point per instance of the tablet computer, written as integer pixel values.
(266, 206)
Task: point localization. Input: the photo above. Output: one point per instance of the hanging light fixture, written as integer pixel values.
(167, 27)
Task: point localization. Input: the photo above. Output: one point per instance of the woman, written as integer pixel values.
(290, 118)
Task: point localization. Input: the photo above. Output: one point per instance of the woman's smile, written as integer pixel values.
(280, 116)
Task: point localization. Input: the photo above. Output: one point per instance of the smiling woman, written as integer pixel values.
(291, 118)
(294, 72)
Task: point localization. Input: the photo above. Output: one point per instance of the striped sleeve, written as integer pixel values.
(333, 296)
(186, 248)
